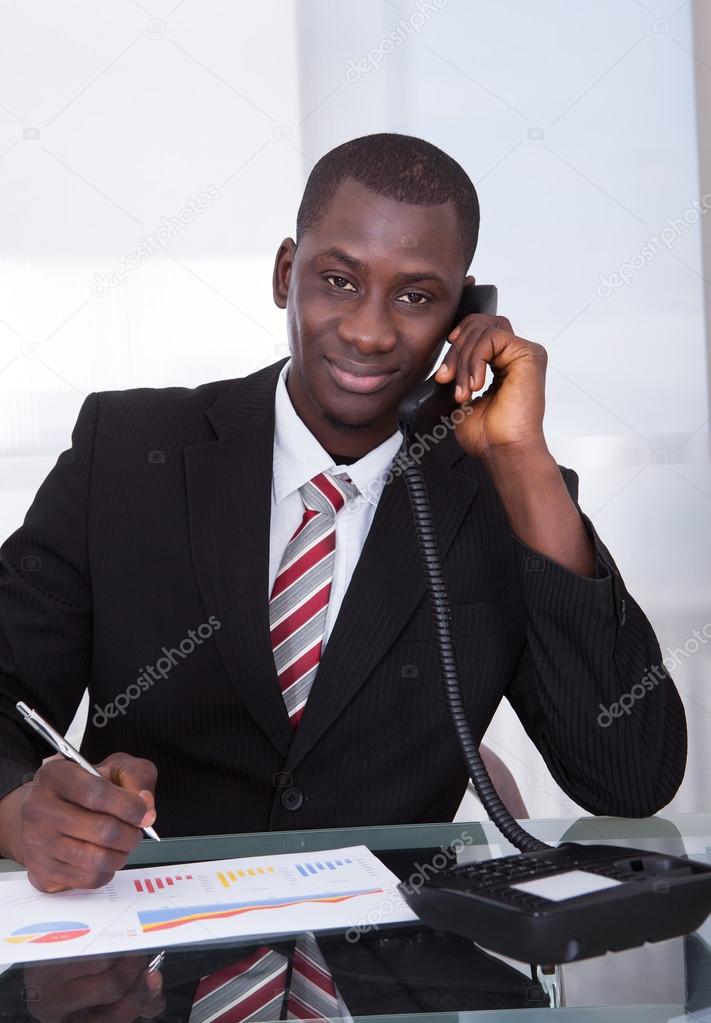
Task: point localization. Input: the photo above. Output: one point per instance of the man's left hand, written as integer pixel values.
(508, 416)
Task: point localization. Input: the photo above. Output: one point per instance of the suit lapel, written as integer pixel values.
(386, 586)
(229, 505)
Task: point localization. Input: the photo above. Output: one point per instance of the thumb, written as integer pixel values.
(135, 774)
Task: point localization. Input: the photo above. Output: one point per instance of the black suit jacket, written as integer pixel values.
(156, 522)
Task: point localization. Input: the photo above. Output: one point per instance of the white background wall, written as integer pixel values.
(575, 119)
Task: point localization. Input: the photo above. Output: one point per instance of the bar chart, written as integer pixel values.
(150, 885)
(229, 877)
(308, 869)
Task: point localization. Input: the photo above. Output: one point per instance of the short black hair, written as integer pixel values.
(401, 167)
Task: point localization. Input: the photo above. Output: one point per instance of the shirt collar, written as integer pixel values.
(298, 456)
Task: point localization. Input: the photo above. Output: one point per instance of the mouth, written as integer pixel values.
(359, 379)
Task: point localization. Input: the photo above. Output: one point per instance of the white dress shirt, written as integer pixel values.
(298, 457)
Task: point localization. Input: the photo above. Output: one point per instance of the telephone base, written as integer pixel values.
(647, 897)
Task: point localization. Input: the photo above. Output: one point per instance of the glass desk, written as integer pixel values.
(404, 972)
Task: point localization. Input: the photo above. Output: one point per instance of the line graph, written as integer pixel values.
(152, 920)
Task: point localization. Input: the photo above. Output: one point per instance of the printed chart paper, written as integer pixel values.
(172, 905)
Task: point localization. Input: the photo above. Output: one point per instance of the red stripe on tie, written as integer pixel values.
(296, 717)
(214, 980)
(307, 661)
(243, 1010)
(300, 1010)
(322, 980)
(301, 615)
(329, 490)
(307, 560)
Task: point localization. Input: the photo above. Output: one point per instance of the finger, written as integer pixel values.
(480, 320)
(53, 876)
(502, 323)
(471, 366)
(48, 987)
(129, 1010)
(48, 815)
(106, 987)
(470, 326)
(75, 785)
(492, 347)
(62, 972)
(143, 997)
(135, 774)
(448, 371)
(96, 984)
(49, 874)
(466, 368)
(482, 356)
(89, 858)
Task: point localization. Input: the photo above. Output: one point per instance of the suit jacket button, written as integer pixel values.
(292, 798)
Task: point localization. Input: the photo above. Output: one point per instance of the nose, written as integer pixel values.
(367, 326)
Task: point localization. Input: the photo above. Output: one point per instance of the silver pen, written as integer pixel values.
(155, 962)
(60, 744)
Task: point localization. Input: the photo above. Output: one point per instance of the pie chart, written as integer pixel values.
(53, 930)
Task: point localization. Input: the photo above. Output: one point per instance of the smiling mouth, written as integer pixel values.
(359, 379)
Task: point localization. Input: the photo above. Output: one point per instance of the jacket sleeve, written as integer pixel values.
(45, 607)
(591, 688)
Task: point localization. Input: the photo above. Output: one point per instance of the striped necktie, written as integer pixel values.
(299, 600)
(313, 994)
(252, 989)
(255, 988)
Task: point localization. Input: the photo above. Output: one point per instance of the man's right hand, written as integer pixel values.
(109, 989)
(71, 829)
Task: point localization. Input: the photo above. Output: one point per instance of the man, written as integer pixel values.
(233, 570)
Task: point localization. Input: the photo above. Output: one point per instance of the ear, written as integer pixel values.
(283, 265)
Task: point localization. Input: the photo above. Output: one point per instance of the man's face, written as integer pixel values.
(372, 290)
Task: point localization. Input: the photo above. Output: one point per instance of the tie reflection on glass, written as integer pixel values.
(259, 987)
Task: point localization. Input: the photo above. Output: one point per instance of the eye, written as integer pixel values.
(416, 295)
(342, 283)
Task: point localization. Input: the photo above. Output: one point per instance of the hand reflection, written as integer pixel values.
(112, 990)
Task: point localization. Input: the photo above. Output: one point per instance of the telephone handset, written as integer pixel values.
(513, 905)
(425, 405)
